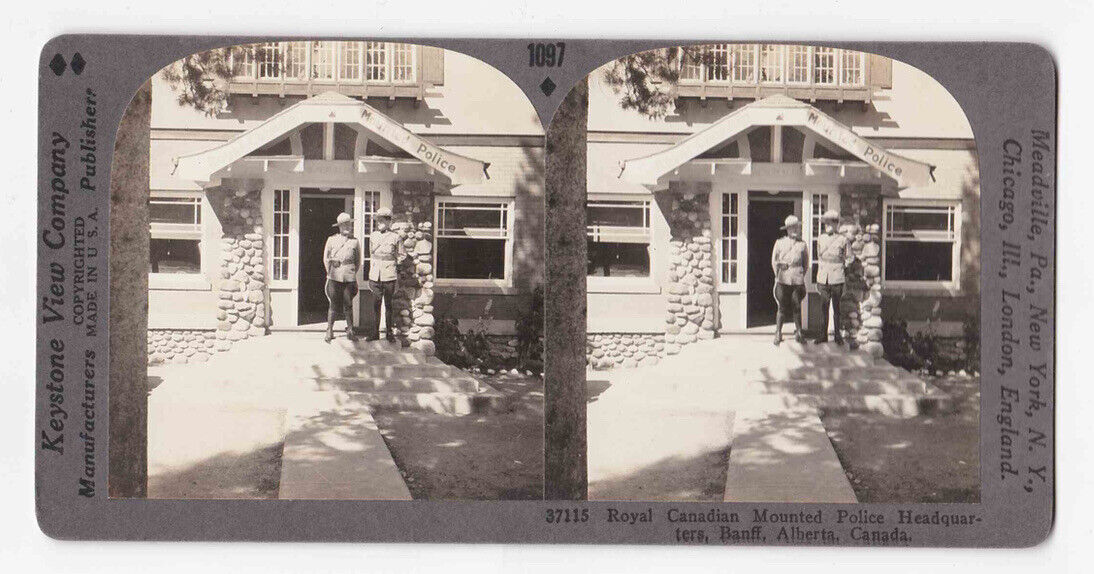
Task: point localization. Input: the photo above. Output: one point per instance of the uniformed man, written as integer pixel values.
(833, 256)
(789, 261)
(342, 256)
(387, 250)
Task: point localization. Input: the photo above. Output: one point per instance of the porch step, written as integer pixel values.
(407, 381)
(844, 386)
(444, 403)
(900, 406)
(389, 370)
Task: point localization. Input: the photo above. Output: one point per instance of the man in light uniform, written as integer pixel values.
(387, 250)
(341, 256)
(789, 260)
(833, 256)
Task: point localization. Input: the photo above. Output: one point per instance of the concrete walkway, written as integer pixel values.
(654, 428)
(313, 396)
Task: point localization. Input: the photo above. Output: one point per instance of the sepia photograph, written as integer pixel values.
(783, 279)
(344, 262)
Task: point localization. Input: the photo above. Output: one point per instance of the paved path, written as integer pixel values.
(742, 394)
(313, 396)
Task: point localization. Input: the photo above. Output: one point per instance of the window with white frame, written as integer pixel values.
(797, 64)
(296, 60)
(819, 203)
(175, 232)
(743, 62)
(922, 242)
(323, 56)
(771, 63)
(281, 222)
(716, 60)
(824, 66)
(852, 68)
(376, 61)
(370, 202)
(349, 64)
(618, 237)
(474, 239)
(402, 62)
(268, 57)
(729, 248)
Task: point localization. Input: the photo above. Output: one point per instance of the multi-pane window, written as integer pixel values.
(730, 244)
(922, 241)
(851, 68)
(322, 60)
(618, 238)
(296, 60)
(473, 239)
(281, 212)
(327, 61)
(268, 57)
(824, 66)
(349, 65)
(376, 61)
(744, 63)
(175, 232)
(771, 63)
(402, 62)
(774, 64)
(797, 64)
(716, 60)
(816, 224)
(370, 202)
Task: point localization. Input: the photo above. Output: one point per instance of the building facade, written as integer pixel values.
(683, 210)
(241, 201)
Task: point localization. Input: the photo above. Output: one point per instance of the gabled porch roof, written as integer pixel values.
(777, 110)
(332, 107)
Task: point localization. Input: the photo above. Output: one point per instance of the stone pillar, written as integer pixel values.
(242, 306)
(690, 311)
(861, 207)
(412, 203)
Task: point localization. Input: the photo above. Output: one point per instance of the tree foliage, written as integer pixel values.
(201, 79)
(647, 81)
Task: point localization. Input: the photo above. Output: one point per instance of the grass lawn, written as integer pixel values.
(928, 458)
(494, 456)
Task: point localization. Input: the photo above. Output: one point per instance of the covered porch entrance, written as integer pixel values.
(747, 172)
(279, 186)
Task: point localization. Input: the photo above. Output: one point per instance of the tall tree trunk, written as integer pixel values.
(566, 476)
(129, 300)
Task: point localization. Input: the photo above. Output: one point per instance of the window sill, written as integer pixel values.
(621, 285)
(920, 289)
(474, 287)
(179, 282)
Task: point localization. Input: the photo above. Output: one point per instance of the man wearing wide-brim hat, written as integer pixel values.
(789, 261)
(833, 256)
(386, 250)
(341, 256)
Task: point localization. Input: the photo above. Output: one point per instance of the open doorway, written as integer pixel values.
(318, 212)
(766, 214)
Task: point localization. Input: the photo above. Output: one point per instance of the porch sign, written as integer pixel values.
(776, 111)
(331, 107)
(459, 169)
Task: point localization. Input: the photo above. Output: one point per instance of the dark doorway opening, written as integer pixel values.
(317, 215)
(765, 218)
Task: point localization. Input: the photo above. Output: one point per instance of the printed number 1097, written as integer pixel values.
(542, 55)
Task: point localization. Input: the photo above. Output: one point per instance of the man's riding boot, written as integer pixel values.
(349, 332)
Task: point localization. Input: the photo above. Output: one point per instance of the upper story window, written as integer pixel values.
(327, 61)
(175, 231)
(922, 243)
(752, 64)
(618, 237)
